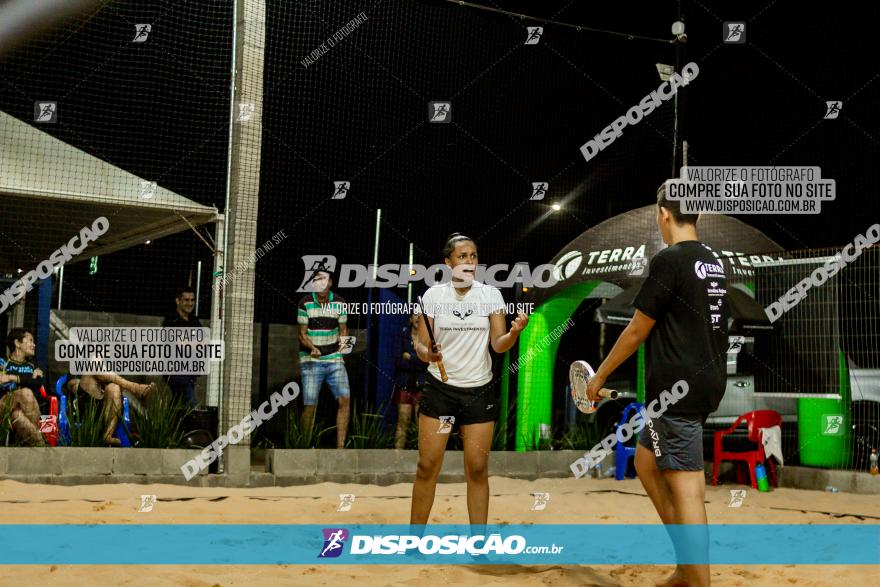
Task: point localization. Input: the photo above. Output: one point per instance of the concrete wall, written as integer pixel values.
(387, 467)
(82, 466)
(74, 466)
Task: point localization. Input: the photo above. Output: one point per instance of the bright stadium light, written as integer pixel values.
(556, 207)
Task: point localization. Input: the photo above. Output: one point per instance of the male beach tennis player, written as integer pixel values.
(466, 317)
(681, 311)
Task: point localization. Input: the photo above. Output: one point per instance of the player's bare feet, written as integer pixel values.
(676, 579)
(112, 441)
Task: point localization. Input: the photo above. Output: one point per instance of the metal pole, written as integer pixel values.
(218, 399)
(677, 104)
(409, 283)
(684, 154)
(215, 377)
(60, 284)
(376, 243)
(370, 302)
(198, 285)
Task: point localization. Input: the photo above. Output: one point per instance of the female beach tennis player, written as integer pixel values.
(466, 317)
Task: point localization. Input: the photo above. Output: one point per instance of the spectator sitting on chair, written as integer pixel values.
(108, 387)
(18, 380)
(183, 385)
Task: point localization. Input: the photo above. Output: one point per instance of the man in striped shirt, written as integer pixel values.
(322, 320)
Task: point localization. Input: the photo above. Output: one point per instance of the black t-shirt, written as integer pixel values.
(685, 293)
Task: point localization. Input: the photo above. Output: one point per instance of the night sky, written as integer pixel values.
(359, 113)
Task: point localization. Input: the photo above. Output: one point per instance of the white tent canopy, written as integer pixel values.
(49, 191)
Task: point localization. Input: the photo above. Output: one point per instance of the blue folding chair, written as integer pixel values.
(122, 428)
(622, 452)
(63, 422)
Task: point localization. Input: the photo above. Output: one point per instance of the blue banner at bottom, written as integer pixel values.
(611, 544)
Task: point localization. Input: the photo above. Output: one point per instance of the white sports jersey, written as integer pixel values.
(461, 328)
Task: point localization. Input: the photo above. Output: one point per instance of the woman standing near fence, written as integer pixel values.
(466, 316)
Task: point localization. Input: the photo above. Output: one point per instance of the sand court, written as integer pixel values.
(571, 501)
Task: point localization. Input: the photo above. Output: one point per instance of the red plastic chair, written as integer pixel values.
(755, 420)
(49, 424)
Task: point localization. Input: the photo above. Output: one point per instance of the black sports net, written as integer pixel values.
(345, 97)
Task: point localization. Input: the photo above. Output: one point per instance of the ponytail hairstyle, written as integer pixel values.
(452, 240)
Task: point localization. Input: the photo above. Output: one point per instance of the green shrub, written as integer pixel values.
(583, 436)
(368, 429)
(5, 424)
(412, 435)
(86, 422)
(160, 423)
(295, 436)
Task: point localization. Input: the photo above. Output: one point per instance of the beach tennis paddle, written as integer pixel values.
(579, 375)
(443, 376)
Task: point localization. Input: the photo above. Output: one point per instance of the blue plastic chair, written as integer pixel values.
(622, 452)
(122, 427)
(63, 422)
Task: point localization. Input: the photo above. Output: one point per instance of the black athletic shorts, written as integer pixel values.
(469, 405)
(676, 441)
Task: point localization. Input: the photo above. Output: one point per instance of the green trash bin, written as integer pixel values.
(824, 429)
